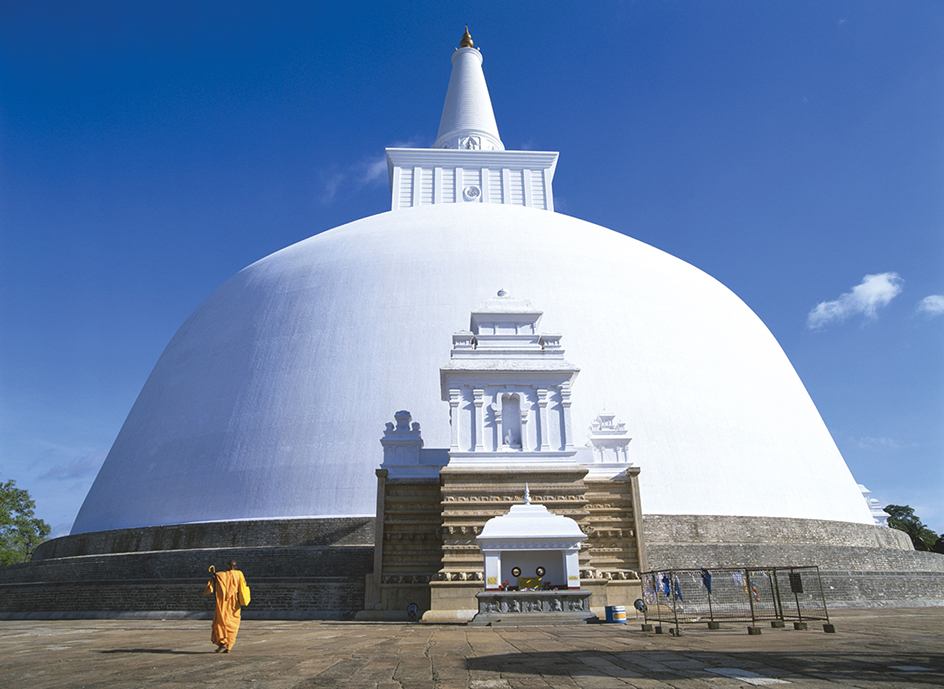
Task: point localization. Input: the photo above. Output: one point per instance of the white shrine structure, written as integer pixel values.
(530, 543)
(532, 548)
(509, 390)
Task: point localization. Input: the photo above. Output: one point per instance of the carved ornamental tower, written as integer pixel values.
(509, 389)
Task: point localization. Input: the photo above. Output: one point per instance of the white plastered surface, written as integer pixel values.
(272, 398)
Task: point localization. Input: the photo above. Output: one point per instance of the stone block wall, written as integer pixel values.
(271, 599)
(901, 589)
(613, 524)
(472, 495)
(693, 556)
(685, 529)
(861, 565)
(410, 543)
(311, 578)
(255, 563)
(230, 534)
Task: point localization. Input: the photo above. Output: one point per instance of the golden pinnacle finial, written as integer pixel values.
(466, 39)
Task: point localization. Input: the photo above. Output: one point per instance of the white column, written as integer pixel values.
(478, 399)
(572, 568)
(497, 438)
(454, 399)
(395, 189)
(525, 414)
(568, 440)
(542, 420)
(492, 569)
(548, 196)
(417, 176)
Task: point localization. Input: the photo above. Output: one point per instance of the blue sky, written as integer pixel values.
(793, 150)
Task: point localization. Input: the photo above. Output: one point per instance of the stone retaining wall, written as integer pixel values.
(862, 565)
(297, 569)
(316, 568)
(286, 583)
(845, 589)
(688, 529)
(229, 534)
(690, 556)
(327, 561)
(316, 598)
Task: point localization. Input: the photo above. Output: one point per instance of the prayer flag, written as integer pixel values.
(706, 579)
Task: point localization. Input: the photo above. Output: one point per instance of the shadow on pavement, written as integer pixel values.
(926, 669)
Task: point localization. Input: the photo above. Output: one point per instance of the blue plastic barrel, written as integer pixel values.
(616, 614)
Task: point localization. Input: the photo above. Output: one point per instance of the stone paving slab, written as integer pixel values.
(872, 649)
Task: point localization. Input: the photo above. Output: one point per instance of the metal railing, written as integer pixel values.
(734, 594)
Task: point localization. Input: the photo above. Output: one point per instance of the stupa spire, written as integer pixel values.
(468, 121)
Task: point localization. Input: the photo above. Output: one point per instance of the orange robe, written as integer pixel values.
(228, 613)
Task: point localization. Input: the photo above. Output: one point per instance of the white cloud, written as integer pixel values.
(877, 444)
(932, 305)
(330, 181)
(874, 292)
(372, 170)
(79, 468)
(368, 172)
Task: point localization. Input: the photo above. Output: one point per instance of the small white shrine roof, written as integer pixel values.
(530, 521)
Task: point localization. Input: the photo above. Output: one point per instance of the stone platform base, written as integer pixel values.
(532, 608)
(311, 569)
(316, 568)
(862, 565)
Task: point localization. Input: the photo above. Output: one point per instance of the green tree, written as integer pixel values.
(904, 519)
(20, 531)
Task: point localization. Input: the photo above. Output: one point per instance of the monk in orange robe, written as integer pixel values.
(228, 612)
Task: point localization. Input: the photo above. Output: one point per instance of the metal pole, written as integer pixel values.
(711, 614)
(672, 580)
(796, 596)
(822, 593)
(750, 592)
(778, 604)
(645, 612)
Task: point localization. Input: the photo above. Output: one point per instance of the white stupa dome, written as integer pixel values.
(272, 398)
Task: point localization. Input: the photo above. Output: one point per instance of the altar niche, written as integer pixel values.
(530, 569)
(509, 421)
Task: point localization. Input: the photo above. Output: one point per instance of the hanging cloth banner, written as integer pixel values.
(706, 579)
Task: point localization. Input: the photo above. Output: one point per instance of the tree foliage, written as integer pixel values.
(904, 519)
(20, 531)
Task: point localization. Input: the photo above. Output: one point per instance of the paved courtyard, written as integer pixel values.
(872, 648)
